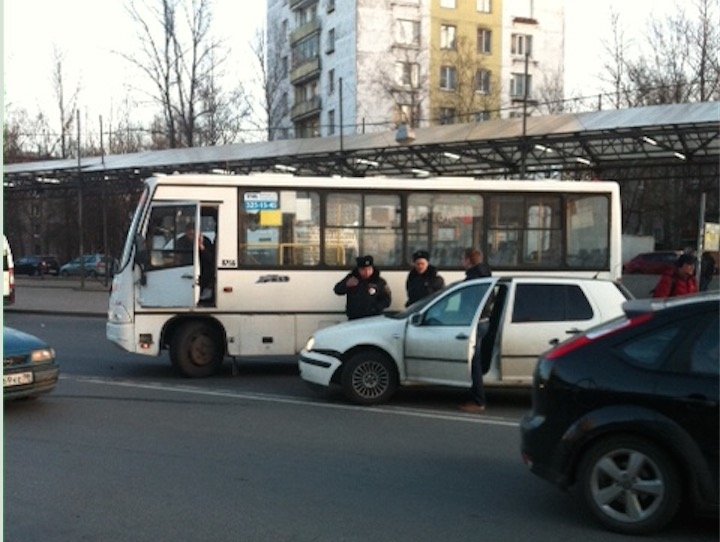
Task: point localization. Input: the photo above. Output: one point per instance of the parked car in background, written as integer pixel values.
(432, 341)
(627, 414)
(29, 367)
(652, 263)
(94, 265)
(37, 265)
(8, 274)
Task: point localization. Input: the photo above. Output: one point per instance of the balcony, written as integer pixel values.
(304, 31)
(305, 71)
(305, 109)
(294, 4)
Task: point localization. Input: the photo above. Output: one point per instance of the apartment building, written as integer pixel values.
(368, 65)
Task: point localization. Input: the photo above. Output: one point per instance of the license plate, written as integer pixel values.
(17, 379)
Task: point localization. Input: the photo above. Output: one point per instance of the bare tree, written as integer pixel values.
(67, 106)
(675, 62)
(182, 59)
(271, 66)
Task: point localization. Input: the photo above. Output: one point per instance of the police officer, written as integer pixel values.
(423, 279)
(367, 293)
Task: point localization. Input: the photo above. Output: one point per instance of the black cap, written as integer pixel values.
(364, 261)
(418, 254)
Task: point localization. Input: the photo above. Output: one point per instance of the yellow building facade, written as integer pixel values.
(465, 60)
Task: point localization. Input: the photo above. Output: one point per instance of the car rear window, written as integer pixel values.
(550, 303)
(705, 354)
(648, 349)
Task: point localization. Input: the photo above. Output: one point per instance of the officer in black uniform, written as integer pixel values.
(367, 293)
(423, 279)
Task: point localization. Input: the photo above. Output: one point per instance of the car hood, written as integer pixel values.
(17, 342)
(370, 330)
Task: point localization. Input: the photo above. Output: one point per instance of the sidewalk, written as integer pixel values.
(54, 295)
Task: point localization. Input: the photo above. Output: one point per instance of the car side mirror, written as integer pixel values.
(416, 319)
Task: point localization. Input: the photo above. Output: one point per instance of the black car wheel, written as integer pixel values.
(197, 350)
(630, 485)
(369, 378)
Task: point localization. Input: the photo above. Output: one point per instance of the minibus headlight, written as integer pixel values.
(309, 345)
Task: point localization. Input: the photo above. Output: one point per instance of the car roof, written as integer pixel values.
(699, 301)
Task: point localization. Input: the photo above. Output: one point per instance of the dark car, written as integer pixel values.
(37, 265)
(627, 414)
(29, 367)
(652, 263)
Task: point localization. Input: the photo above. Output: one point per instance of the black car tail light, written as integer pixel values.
(594, 334)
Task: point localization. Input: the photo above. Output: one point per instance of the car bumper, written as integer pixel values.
(317, 368)
(44, 380)
(543, 451)
(121, 334)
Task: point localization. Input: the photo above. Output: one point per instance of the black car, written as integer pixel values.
(627, 414)
(29, 367)
(37, 265)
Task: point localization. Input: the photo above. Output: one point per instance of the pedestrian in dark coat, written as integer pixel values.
(474, 264)
(423, 278)
(367, 293)
(475, 268)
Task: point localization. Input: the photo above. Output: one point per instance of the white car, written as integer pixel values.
(513, 320)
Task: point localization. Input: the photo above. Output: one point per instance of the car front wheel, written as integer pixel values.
(369, 378)
(630, 485)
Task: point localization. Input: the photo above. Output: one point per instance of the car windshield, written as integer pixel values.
(418, 305)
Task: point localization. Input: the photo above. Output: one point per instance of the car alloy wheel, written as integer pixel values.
(630, 485)
(369, 378)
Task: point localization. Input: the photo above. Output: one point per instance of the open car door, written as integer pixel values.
(484, 346)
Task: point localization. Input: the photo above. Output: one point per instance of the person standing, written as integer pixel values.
(707, 270)
(474, 264)
(475, 268)
(678, 281)
(367, 293)
(423, 278)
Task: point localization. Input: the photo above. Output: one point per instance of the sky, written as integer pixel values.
(89, 32)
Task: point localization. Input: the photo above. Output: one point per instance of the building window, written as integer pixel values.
(482, 116)
(284, 66)
(284, 35)
(330, 41)
(484, 41)
(447, 115)
(331, 81)
(517, 85)
(407, 32)
(484, 6)
(447, 37)
(407, 74)
(331, 122)
(521, 44)
(409, 115)
(450, 4)
(330, 5)
(305, 50)
(448, 78)
(305, 15)
(284, 104)
(482, 81)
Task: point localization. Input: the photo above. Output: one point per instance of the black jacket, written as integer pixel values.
(368, 298)
(479, 271)
(419, 286)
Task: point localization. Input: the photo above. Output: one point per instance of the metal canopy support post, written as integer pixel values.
(80, 207)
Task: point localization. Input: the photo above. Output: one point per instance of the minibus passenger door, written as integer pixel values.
(171, 265)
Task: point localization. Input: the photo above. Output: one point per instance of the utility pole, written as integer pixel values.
(80, 207)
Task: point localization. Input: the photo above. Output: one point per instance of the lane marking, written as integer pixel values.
(251, 396)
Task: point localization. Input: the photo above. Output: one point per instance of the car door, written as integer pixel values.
(171, 270)
(540, 314)
(436, 339)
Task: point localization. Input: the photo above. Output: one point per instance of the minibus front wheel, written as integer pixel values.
(197, 349)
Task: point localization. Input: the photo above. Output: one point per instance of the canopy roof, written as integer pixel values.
(601, 143)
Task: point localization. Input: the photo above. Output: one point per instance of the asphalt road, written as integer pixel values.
(124, 449)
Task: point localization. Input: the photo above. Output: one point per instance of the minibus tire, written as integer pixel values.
(196, 350)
